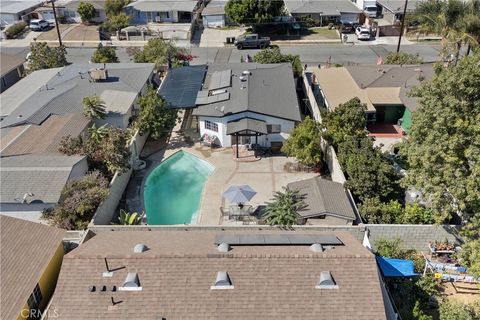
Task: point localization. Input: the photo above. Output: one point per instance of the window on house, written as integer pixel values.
(212, 126)
(274, 128)
(35, 298)
(164, 15)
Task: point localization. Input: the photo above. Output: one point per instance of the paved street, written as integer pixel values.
(310, 54)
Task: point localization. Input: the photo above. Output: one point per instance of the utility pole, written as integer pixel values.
(56, 21)
(403, 25)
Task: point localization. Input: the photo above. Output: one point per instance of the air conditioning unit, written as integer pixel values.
(98, 74)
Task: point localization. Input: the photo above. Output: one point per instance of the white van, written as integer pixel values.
(371, 11)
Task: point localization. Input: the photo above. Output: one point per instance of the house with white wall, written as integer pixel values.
(248, 103)
(244, 103)
(323, 12)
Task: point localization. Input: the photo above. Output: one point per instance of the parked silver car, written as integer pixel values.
(38, 24)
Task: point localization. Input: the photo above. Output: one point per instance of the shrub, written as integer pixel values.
(304, 143)
(80, 199)
(402, 58)
(104, 55)
(86, 11)
(15, 29)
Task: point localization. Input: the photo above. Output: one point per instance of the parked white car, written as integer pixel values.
(362, 33)
(371, 11)
(38, 25)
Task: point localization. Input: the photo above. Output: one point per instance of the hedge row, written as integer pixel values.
(15, 29)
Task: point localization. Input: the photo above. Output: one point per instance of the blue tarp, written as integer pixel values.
(396, 267)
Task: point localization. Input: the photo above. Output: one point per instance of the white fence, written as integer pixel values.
(106, 210)
(330, 154)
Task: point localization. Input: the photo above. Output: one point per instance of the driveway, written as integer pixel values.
(70, 32)
(217, 37)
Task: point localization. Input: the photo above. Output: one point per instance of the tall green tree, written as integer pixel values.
(160, 52)
(118, 21)
(443, 147)
(80, 199)
(104, 55)
(283, 208)
(44, 57)
(369, 174)
(453, 20)
(94, 107)
(114, 7)
(155, 117)
(86, 11)
(347, 120)
(253, 11)
(274, 55)
(304, 143)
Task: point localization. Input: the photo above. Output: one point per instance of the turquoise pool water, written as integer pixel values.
(173, 190)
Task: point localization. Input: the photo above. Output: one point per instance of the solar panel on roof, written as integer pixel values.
(220, 79)
(277, 239)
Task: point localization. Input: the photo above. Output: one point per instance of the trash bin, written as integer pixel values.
(228, 40)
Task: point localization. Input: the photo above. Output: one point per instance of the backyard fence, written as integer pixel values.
(106, 210)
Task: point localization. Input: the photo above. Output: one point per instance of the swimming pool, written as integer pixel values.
(173, 190)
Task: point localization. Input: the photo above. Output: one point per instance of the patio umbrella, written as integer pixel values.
(239, 194)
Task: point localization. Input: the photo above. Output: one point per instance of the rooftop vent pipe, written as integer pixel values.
(326, 281)
(139, 248)
(131, 283)
(223, 247)
(316, 247)
(222, 281)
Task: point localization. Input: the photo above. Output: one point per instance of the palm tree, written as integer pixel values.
(97, 134)
(93, 107)
(282, 211)
(448, 19)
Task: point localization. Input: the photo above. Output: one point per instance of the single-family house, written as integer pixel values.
(213, 15)
(32, 255)
(12, 11)
(11, 70)
(326, 202)
(61, 91)
(392, 10)
(70, 10)
(240, 103)
(383, 88)
(220, 274)
(323, 12)
(160, 11)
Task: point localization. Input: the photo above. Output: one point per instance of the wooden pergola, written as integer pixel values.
(246, 127)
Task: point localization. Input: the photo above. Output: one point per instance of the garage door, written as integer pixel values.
(349, 17)
(214, 21)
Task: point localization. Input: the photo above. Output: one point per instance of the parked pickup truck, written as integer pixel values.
(251, 41)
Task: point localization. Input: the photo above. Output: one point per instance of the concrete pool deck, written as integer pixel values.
(265, 176)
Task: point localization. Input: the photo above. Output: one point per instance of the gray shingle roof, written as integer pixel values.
(178, 270)
(181, 85)
(247, 124)
(164, 5)
(269, 90)
(66, 87)
(14, 7)
(214, 7)
(324, 197)
(27, 248)
(43, 175)
(397, 6)
(8, 62)
(323, 7)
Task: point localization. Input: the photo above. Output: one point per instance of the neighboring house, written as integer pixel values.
(327, 202)
(11, 69)
(12, 11)
(323, 12)
(45, 12)
(241, 103)
(215, 274)
(213, 15)
(162, 11)
(31, 258)
(383, 88)
(392, 10)
(70, 10)
(61, 90)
